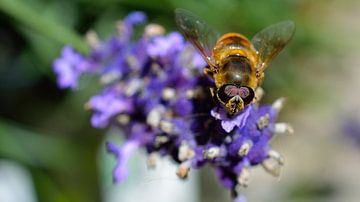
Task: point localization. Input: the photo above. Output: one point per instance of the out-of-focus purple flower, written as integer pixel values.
(163, 46)
(68, 68)
(135, 18)
(108, 104)
(127, 25)
(198, 60)
(154, 90)
(183, 106)
(122, 155)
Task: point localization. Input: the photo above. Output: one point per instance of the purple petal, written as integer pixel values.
(134, 18)
(163, 46)
(219, 113)
(122, 155)
(106, 106)
(259, 151)
(129, 22)
(226, 178)
(111, 148)
(68, 68)
(141, 133)
(228, 125)
(198, 61)
(183, 106)
(240, 119)
(240, 198)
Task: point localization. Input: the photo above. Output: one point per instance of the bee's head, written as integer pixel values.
(234, 98)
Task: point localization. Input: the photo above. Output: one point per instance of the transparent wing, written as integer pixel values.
(271, 40)
(197, 32)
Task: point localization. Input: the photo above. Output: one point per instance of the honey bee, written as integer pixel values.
(235, 63)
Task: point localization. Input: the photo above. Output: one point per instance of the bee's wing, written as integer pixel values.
(271, 40)
(198, 33)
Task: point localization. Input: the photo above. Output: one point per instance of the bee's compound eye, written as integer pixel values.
(226, 92)
(247, 94)
(244, 92)
(231, 90)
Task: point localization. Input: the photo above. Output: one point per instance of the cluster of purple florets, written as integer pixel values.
(155, 91)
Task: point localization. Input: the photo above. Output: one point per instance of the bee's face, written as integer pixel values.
(234, 98)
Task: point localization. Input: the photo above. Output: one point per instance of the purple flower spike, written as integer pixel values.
(68, 67)
(155, 92)
(122, 155)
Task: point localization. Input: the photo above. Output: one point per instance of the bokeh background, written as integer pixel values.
(49, 151)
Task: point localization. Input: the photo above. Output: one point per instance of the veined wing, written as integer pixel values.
(198, 33)
(271, 40)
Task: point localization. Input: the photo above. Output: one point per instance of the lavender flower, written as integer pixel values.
(155, 91)
(68, 68)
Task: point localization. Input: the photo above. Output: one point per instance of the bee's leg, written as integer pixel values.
(260, 77)
(208, 71)
(259, 93)
(212, 91)
(214, 96)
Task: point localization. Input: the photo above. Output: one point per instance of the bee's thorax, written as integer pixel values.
(236, 60)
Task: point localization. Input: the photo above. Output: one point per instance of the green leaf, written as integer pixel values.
(29, 17)
(35, 149)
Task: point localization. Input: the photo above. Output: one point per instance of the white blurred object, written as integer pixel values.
(159, 184)
(15, 183)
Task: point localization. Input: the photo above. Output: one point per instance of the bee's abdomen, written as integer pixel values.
(234, 38)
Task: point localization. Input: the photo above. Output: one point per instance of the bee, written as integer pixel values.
(235, 63)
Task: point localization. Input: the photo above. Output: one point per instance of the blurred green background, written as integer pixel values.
(47, 131)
